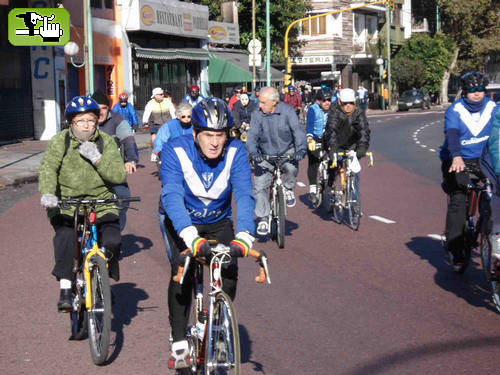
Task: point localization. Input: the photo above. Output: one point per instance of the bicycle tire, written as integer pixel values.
(79, 323)
(495, 283)
(223, 354)
(353, 207)
(485, 248)
(99, 315)
(280, 227)
(320, 187)
(337, 205)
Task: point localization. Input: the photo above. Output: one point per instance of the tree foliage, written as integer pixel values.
(475, 27)
(282, 13)
(433, 53)
(407, 73)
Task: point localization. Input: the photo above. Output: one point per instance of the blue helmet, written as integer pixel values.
(212, 114)
(81, 104)
(290, 88)
(473, 80)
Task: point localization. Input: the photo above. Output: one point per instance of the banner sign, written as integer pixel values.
(223, 33)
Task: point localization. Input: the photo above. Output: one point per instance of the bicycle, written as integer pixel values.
(321, 177)
(212, 333)
(91, 292)
(344, 197)
(277, 214)
(477, 197)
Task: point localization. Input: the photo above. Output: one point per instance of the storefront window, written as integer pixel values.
(329, 25)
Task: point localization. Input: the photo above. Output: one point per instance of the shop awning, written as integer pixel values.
(232, 67)
(221, 70)
(198, 54)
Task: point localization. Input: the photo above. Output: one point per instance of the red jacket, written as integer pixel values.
(295, 101)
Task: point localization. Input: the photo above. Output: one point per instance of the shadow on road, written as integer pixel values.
(246, 349)
(290, 226)
(471, 286)
(132, 244)
(389, 361)
(125, 308)
(320, 211)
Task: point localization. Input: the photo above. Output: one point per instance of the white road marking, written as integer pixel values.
(432, 150)
(382, 219)
(437, 237)
(416, 132)
(424, 146)
(301, 184)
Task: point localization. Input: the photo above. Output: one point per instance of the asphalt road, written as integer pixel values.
(378, 301)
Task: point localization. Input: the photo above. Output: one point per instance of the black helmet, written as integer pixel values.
(322, 95)
(475, 81)
(212, 114)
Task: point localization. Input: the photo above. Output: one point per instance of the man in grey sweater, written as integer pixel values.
(274, 130)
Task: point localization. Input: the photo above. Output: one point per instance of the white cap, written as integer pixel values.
(156, 91)
(347, 96)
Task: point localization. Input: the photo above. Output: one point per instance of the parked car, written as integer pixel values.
(413, 99)
(492, 91)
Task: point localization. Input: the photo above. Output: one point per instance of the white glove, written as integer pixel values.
(90, 151)
(351, 153)
(154, 157)
(48, 201)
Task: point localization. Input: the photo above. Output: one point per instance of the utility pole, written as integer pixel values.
(388, 24)
(253, 50)
(268, 45)
(88, 50)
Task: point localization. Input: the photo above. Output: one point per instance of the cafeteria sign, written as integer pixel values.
(223, 33)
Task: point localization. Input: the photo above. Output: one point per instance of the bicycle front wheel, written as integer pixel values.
(223, 340)
(99, 314)
(280, 227)
(491, 269)
(353, 206)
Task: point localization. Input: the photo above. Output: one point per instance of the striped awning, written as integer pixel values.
(197, 54)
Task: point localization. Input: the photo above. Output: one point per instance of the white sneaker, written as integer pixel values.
(290, 198)
(262, 227)
(154, 157)
(179, 357)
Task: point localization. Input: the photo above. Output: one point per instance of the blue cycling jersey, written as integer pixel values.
(197, 190)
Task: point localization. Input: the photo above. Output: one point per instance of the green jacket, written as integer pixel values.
(76, 177)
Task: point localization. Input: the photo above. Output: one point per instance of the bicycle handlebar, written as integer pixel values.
(337, 154)
(259, 256)
(64, 203)
(277, 158)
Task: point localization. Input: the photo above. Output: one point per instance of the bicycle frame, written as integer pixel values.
(277, 183)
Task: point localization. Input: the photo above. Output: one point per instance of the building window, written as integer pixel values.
(108, 4)
(329, 25)
(96, 4)
(365, 29)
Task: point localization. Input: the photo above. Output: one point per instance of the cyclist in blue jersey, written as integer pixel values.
(193, 97)
(127, 110)
(467, 127)
(199, 174)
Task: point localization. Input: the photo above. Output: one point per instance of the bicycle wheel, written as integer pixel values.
(338, 201)
(78, 321)
(223, 341)
(495, 282)
(353, 206)
(280, 225)
(99, 315)
(320, 187)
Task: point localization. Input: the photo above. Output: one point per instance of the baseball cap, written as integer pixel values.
(156, 91)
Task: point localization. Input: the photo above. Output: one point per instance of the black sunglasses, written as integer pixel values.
(186, 116)
(478, 89)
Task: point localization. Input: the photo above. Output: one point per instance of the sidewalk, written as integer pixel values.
(19, 162)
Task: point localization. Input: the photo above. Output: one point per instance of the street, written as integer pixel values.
(382, 300)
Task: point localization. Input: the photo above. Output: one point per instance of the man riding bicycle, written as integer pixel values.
(274, 130)
(80, 162)
(317, 116)
(347, 131)
(467, 127)
(199, 174)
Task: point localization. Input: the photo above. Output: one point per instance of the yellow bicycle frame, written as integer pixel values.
(86, 273)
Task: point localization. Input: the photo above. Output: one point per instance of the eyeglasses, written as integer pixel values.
(186, 116)
(478, 89)
(83, 122)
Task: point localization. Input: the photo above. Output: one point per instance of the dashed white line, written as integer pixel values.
(301, 184)
(382, 219)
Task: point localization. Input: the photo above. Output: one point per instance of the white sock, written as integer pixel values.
(180, 345)
(65, 284)
(312, 189)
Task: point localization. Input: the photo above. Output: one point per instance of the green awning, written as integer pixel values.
(224, 71)
(198, 54)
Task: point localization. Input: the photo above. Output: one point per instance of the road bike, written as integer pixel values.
(477, 198)
(322, 178)
(344, 197)
(212, 333)
(277, 214)
(91, 292)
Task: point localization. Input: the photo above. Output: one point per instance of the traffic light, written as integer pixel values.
(288, 65)
(287, 79)
(384, 74)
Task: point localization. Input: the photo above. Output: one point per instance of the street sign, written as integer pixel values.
(258, 60)
(254, 46)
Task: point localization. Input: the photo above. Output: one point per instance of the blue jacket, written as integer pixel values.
(315, 121)
(275, 133)
(198, 191)
(169, 130)
(466, 133)
(189, 100)
(127, 112)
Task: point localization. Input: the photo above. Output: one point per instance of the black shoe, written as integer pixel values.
(313, 199)
(114, 269)
(65, 303)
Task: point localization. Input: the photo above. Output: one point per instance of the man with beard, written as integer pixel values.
(80, 162)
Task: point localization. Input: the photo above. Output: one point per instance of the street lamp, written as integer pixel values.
(71, 49)
(380, 63)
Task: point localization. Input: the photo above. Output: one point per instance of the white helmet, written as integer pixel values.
(347, 96)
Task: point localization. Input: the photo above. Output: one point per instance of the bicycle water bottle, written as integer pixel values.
(201, 323)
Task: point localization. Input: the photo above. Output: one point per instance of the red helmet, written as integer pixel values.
(123, 97)
(194, 88)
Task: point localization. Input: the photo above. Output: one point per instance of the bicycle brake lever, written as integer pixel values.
(266, 269)
(184, 271)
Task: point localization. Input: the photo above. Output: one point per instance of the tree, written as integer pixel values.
(407, 73)
(435, 55)
(282, 13)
